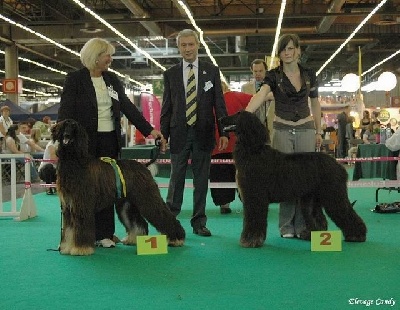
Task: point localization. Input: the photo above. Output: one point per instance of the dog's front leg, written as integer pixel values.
(78, 232)
(254, 224)
(66, 242)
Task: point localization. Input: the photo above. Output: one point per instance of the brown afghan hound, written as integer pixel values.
(86, 185)
(264, 175)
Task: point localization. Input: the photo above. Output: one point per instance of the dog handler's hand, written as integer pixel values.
(318, 141)
(157, 134)
(223, 143)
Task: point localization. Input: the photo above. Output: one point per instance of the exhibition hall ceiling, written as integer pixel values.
(236, 32)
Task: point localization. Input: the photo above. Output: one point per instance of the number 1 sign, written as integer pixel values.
(326, 241)
(148, 245)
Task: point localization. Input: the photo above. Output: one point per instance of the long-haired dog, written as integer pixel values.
(264, 175)
(87, 184)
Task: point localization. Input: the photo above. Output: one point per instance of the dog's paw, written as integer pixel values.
(64, 248)
(85, 251)
(305, 235)
(176, 242)
(256, 243)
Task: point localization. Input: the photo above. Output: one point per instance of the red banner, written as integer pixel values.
(151, 109)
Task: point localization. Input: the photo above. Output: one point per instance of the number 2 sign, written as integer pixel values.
(326, 241)
(147, 245)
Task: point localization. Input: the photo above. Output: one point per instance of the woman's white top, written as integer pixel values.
(6, 124)
(22, 144)
(104, 103)
(47, 154)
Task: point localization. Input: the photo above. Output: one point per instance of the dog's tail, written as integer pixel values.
(151, 164)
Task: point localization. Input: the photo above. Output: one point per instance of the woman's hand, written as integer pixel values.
(318, 140)
(158, 135)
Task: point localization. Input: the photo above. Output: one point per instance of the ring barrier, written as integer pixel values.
(28, 207)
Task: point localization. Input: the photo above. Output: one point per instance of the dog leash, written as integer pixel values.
(156, 154)
(118, 176)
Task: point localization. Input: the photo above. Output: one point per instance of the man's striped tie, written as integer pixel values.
(191, 101)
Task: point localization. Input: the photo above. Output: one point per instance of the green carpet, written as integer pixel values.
(207, 273)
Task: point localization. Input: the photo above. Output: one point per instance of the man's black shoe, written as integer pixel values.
(202, 231)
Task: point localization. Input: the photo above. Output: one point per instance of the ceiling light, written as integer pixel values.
(350, 82)
(352, 35)
(278, 32)
(387, 81)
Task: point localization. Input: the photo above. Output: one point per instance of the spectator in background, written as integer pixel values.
(393, 144)
(323, 126)
(350, 133)
(222, 197)
(342, 142)
(389, 125)
(365, 121)
(5, 122)
(47, 170)
(43, 126)
(266, 111)
(12, 145)
(369, 136)
(258, 69)
(31, 122)
(29, 139)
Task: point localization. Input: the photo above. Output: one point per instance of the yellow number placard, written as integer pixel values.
(326, 240)
(149, 245)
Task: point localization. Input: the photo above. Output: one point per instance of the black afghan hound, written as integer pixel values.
(86, 185)
(265, 175)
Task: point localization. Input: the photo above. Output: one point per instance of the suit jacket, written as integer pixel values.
(78, 102)
(209, 100)
(250, 88)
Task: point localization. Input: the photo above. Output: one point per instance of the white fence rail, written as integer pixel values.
(28, 207)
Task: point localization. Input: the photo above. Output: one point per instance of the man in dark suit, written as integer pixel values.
(191, 133)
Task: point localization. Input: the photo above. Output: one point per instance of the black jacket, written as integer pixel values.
(78, 102)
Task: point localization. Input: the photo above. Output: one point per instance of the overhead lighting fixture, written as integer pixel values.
(278, 32)
(10, 21)
(120, 34)
(36, 81)
(38, 64)
(352, 35)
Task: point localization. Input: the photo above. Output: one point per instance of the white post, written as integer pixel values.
(28, 207)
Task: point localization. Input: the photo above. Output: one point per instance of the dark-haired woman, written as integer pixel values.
(295, 129)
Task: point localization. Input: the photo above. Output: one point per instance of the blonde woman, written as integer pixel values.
(95, 98)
